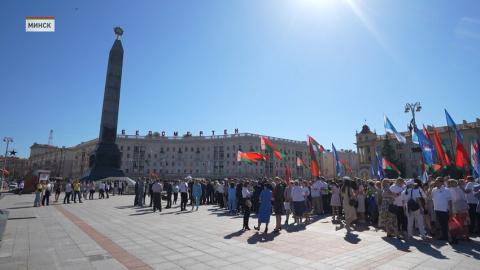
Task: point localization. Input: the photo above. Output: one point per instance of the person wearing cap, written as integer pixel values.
(411, 200)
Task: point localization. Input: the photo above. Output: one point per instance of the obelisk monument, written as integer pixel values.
(106, 159)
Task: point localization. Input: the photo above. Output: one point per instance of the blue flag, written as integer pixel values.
(390, 128)
(380, 172)
(426, 146)
(373, 175)
(337, 164)
(452, 124)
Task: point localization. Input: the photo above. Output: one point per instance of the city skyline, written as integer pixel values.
(279, 68)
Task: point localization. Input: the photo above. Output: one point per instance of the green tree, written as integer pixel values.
(388, 152)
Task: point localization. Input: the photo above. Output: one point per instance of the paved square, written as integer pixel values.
(111, 234)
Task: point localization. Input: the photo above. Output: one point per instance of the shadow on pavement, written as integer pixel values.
(261, 237)
(124, 207)
(422, 246)
(472, 249)
(352, 238)
(235, 234)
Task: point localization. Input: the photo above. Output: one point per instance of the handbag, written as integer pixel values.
(412, 204)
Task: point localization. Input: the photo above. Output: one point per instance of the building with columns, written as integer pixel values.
(409, 154)
(177, 156)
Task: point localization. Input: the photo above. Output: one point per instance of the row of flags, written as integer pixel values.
(314, 149)
(434, 154)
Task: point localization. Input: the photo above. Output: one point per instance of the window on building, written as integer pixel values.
(128, 155)
(128, 148)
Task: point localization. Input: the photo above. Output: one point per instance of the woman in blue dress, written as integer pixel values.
(265, 209)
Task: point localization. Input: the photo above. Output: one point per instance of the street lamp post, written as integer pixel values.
(412, 107)
(7, 140)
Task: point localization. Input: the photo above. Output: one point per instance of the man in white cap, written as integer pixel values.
(414, 208)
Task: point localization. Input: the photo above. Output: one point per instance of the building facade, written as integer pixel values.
(16, 167)
(178, 156)
(58, 160)
(329, 164)
(409, 154)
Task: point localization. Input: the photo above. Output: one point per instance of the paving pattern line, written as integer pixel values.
(118, 253)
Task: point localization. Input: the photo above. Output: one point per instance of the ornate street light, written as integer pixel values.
(412, 107)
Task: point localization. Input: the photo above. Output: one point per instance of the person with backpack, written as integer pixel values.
(413, 208)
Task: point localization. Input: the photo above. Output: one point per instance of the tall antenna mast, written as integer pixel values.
(50, 137)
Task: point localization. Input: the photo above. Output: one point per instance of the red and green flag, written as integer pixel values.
(267, 145)
(319, 147)
(345, 165)
(441, 155)
(250, 157)
(387, 165)
(301, 162)
(313, 159)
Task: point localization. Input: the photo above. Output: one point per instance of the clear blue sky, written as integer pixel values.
(281, 68)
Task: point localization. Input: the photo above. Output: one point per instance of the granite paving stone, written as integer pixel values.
(203, 239)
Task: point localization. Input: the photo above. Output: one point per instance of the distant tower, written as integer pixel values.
(50, 137)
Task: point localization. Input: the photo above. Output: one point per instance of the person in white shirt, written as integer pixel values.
(183, 188)
(316, 193)
(442, 205)
(68, 193)
(247, 196)
(459, 206)
(397, 190)
(156, 196)
(46, 195)
(472, 202)
(298, 199)
(411, 200)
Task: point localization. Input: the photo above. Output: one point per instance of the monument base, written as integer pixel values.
(105, 162)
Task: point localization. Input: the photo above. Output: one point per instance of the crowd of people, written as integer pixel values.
(441, 208)
(75, 190)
